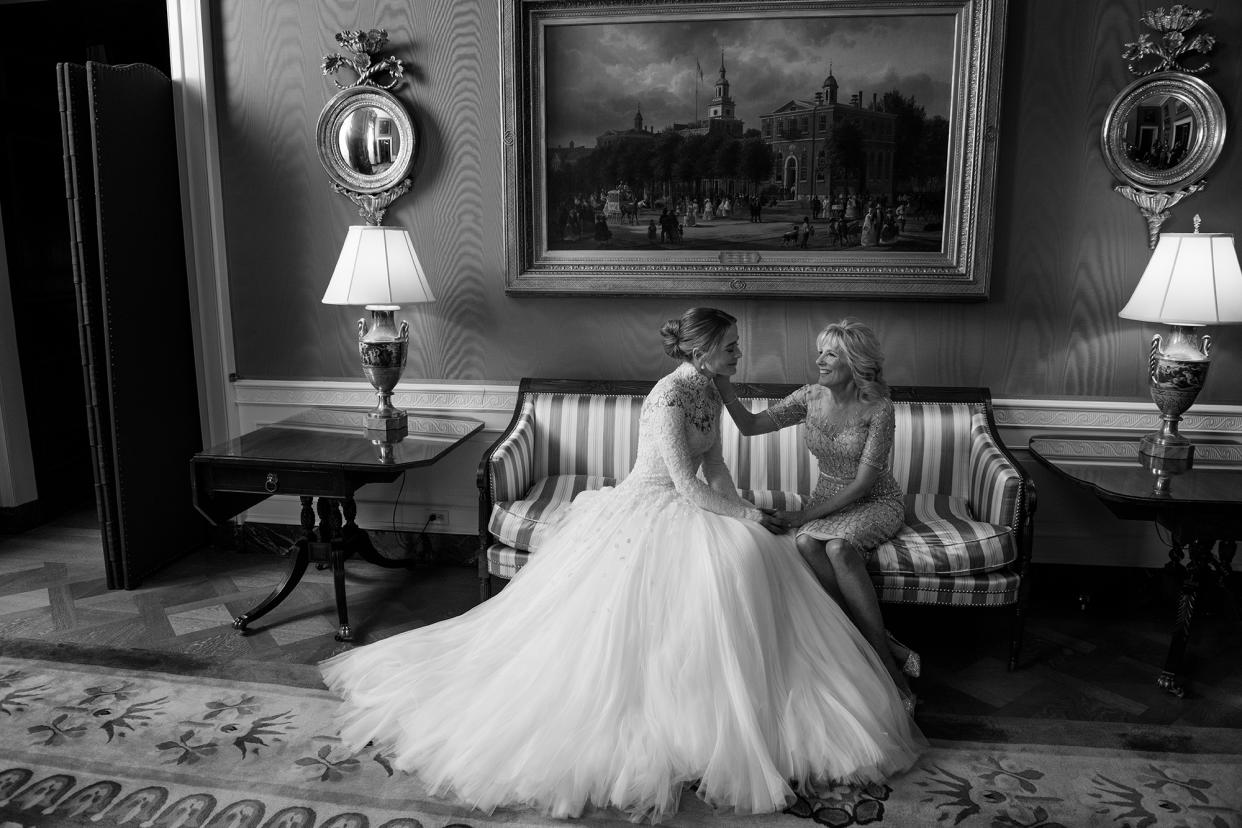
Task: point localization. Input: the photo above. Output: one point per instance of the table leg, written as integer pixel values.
(331, 536)
(337, 554)
(1169, 677)
(301, 557)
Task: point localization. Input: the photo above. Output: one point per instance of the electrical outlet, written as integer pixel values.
(435, 517)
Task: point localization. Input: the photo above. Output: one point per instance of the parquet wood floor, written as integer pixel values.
(1093, 664)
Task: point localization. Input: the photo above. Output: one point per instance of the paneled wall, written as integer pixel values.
(1068, 250)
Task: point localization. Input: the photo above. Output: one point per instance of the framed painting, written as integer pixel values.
(819, 148)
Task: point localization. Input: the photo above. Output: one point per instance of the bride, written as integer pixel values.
(666, 633)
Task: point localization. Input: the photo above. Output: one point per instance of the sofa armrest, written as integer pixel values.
(510, 465)
(999, 489)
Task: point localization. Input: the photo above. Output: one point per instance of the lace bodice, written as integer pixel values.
(679, 433)
(840, 445)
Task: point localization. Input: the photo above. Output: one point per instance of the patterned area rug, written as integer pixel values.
(96, 745)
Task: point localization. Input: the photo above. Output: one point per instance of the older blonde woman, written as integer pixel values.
(856, 504)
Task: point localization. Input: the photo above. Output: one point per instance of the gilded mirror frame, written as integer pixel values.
(335, 114)
(535, 45)
(1203, 106)
(1167, 63)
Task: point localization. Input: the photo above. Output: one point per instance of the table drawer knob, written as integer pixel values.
(271, 483)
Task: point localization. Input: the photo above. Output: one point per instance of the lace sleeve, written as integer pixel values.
(718, 475)
(668, 422)
(791, 410)
(880, 433)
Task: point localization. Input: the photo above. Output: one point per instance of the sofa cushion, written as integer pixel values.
(941, 537)
(520, 523)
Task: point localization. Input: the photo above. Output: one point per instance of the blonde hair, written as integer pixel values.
(860, 348)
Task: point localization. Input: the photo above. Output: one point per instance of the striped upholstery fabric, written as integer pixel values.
(931, 448)
(520, 523)
(941, 538)
(505, 561)
(995, 485)
(997, 588)
(772, 498)
(777, 461)
(511, 468)
(989, 589)
(961, 510)
(592, 434)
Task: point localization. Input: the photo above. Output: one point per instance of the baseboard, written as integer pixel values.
(1064, 534)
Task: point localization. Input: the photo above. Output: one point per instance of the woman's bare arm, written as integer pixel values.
(747, 422)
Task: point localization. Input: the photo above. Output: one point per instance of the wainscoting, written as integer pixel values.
(1070, 528)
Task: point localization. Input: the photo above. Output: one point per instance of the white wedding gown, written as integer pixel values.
(660, 636)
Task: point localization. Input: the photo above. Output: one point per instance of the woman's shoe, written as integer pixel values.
(908, 700)
(913, 665)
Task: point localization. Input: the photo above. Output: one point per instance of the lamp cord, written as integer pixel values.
(1160, 535)
(421, 532)
(397, 500)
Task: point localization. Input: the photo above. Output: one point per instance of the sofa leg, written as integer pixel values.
(485, 588)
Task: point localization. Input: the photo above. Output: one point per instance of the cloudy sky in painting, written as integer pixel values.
(599, 74)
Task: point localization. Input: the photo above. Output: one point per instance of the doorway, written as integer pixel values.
(36, 224)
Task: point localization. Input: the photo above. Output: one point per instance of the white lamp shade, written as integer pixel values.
(1192, 279)
(378, 266)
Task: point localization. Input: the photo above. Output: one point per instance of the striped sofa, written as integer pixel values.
(969, 507)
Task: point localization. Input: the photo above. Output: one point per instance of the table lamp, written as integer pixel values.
(1192, 280)
(379, 269)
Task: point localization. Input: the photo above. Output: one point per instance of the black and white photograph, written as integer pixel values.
(606, 413)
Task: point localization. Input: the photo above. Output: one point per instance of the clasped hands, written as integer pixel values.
(779, 521)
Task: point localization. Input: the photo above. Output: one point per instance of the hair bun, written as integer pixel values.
(671, 332)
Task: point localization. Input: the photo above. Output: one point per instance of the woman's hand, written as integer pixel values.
(724, 386)
(792, 519)
(772, 523)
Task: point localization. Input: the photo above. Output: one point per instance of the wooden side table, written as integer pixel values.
(318, 453)
(1199, 502)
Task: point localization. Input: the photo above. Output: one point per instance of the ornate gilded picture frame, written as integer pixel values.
(820, 148)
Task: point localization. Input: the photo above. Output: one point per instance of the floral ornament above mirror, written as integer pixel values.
(1163, 132)
(365, 137)
(1166, 53)
(364, 46)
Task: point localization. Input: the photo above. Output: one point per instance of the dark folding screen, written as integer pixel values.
(122, 185)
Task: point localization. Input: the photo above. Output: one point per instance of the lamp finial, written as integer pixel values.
(1197, 220)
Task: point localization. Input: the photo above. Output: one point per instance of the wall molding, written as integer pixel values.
(265, 401)
(192, 65)
(1017, 418)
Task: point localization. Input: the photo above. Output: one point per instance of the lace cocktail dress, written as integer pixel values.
(841, 446)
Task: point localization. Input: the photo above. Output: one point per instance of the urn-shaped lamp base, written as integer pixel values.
(383, 349)
(1177, 372)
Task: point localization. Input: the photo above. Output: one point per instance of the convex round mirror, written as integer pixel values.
(1163, 132)
(366, 139)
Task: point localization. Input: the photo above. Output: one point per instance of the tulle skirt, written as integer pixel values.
(649, 644)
